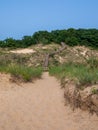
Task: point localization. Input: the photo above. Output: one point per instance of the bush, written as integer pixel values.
(72, 37)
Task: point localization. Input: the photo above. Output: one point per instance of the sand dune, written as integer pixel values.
(40, 106)
(23, 51)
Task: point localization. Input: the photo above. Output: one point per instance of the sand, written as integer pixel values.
(23, 51)
(39, 106)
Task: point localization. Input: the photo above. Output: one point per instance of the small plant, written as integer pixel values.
(92, 62)
(94, 91)
(3, 68)
(57, 71)
(85, 79)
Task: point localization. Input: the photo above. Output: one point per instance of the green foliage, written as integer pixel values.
(94, 91)
(27, 41)
(22, 72)
(56, 71)
(80, 73)
(3, 68)
(72, 37)
(42, 37)
(87, 77)
(92, 62)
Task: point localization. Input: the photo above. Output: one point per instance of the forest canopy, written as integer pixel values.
(72, 37)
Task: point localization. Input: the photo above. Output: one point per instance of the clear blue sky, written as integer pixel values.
(24, 17)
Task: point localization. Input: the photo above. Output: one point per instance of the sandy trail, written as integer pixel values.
(40, 106)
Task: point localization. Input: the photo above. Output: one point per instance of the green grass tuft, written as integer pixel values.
(22, 72)
(94, 91)
(78, 72)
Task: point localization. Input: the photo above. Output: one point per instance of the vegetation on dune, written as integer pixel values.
(22, 72)
(72, 37)
(82, 74)
(80, 83)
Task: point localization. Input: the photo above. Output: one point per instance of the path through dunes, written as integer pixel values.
(40, 106)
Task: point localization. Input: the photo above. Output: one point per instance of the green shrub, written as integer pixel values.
(71, 36)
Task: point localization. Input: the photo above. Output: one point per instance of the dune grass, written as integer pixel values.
(81, 73)
(22, 72)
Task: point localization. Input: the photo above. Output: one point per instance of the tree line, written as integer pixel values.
(72, 37)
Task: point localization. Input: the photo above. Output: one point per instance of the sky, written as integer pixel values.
(19, 18)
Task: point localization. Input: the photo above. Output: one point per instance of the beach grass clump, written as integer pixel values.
(82, 74)
(22, 72)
